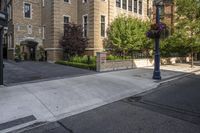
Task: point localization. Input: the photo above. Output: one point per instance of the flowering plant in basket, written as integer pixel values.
(157, 30)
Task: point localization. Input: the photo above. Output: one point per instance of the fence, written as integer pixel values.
(111, 65)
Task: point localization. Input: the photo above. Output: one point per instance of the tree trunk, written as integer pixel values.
(192, 58)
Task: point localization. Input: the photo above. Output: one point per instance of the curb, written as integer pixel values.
(177, 77)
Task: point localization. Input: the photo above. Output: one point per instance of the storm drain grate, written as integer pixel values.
(17, 122)
(134, 99)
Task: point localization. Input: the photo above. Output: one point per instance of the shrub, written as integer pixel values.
(73, 42)
(112, 57)
(83, 59)
(127, 34)
(78, 65)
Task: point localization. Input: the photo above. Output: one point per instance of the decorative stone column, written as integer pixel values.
(101, 58)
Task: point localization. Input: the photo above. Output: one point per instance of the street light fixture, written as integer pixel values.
(156, 75)
(3, 23)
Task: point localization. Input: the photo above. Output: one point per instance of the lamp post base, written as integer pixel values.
(156, 75)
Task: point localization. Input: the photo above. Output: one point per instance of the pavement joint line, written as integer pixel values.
(40, 101)
(103, 103)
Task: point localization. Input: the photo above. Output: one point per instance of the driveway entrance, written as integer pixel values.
(33, 71)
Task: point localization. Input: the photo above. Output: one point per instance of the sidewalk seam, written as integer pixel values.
(40, 101)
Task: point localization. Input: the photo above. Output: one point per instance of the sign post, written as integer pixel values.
(3, 23)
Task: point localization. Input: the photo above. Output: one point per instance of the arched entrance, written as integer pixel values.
(29, 47)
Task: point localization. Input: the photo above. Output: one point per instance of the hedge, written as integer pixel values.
(78, 65)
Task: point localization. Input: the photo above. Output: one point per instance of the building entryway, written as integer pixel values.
(29, 47)
(32, 53)
(33, 71)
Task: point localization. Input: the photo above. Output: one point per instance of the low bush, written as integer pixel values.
(112, 57)
(83, 59)
(78, 65)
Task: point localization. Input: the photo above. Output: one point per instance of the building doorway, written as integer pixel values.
(29, 47)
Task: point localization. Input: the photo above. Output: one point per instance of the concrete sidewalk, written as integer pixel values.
(56, 99)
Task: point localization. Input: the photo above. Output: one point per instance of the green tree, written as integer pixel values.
(127, 34)
(188, 25)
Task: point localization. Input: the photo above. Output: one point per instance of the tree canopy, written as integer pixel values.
(127, 34)
(186, 36)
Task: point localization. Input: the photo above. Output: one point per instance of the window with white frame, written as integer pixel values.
(140, 7)
(43, 3)
(135, 6)
(29, 29)
(85, 1)
(67, 1)
(130, 5)
(66, 19)
(85, 25)
(10, 41)
(9, 9)
(43, 32)
(103, 25)
(27, 10)
(124, 4)
(118, 3)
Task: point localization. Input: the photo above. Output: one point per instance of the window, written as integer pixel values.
(148, 9)
(27, 10)
(103, 26)
(135, 6)
(66, 19)
(140, 7)
(10, 41)
(43, 32)
(85, 25)
(43, 3)
(29, 29)
(124, 4)
(85, 1)
(9, 9)
(130, 5)
(67, 1)
(118, 3)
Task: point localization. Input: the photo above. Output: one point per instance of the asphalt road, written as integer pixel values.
(30, 71)
(171, 108)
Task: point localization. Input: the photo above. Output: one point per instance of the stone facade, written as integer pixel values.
(47, 21)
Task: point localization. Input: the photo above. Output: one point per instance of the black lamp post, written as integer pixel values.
(3, 23)
(156, 74)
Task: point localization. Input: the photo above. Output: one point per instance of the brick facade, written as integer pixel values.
(168, 14)
(47, 22)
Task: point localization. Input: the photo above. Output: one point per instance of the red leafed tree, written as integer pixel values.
(73, 41)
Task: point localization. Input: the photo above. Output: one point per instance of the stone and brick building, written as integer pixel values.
(34, 23)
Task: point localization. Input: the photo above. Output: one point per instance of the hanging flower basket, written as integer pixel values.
(157, 31)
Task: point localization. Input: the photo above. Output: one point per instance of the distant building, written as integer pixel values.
(34, 23)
